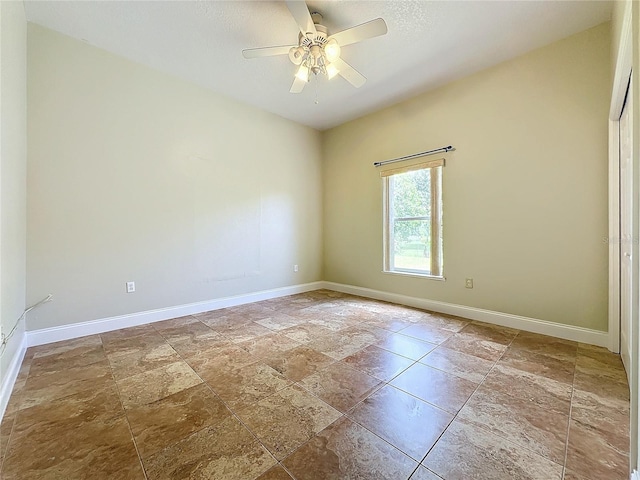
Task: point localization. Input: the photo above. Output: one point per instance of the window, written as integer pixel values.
(413, 219)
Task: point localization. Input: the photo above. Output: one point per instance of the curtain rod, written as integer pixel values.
(446, 149)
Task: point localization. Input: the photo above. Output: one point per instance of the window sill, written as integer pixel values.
(417, 275)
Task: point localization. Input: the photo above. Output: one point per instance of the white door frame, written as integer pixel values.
(623, 68)
(622, 73)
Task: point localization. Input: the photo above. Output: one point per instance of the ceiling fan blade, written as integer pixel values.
(349, 73)
(266, 51)
(371, 29)
(301, 15)
(297, 86)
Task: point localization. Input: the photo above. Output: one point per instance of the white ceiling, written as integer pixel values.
(429, 43)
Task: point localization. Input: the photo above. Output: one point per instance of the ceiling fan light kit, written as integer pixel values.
(317, 52)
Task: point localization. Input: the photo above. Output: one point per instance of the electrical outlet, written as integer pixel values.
(468, 283)
(131, 287)
(295, 268)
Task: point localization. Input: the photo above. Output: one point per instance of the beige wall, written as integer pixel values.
(13, 168)
(137, 176)
(525, 194)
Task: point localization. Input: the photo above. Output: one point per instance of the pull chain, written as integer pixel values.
(316, 82)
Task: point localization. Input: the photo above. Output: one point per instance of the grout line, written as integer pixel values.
(5, 452)
(380, 386)
(566, 443)
(482, 427)
(126, 416)
(455, 416)
(232, 412)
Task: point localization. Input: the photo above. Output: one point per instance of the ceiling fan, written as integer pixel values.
(317, 51)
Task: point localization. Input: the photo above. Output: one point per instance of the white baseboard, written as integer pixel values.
(67, 332)
(9, 378)
(567, 332)
(635, 475)
(75, 330)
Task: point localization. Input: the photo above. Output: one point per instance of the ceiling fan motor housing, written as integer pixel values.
(310, 39)
(310, 46)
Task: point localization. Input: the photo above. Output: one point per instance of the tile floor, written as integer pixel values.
(317, 386)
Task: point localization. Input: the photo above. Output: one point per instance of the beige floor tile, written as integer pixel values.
(459, 364)
(339, 345)
(76, 345)
(127, 333)
(226, 451)
(279, 321)
(467, 452)
(494, 333)
(152, 385)
(249, 384)
(257, 310)
(545, 345)
(305, 332)
(345, 450)
(85, 435)
(222, 322)
(427, 333)
(70, 411)
(6, 427)
(268, 344)
(561, 370)
(600, 354)
(445, 322)
(593, 454)
(123, 345)
(335, 322)
(287, 419)
(297, 363)
(406, 346)
(534, 389)
(406, 422)
(378, 363)
(159, 424)
(436, 387)
(389, 323)
(199, 343)
(167, 326)
(246, 332)
(77, 357)
(520, 421)
(422, 473)
(601, 384)
(54, 385)
(220, 363)
(188, 331)
(132, 363)
(472, 344)
(340, 385)
(336, 345)
(15, 401)
(602, 369)
(275, 473)
(608, 415)
(571, 475)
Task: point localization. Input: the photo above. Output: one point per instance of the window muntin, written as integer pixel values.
(413, 220)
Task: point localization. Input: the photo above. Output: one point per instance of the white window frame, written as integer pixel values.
(436, 270)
